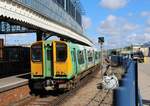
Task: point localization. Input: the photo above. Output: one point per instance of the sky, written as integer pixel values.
(19, 39)
(121, 22)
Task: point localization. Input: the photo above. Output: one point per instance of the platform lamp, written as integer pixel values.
(101, 41)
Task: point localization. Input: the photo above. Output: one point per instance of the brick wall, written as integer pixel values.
(11, 96)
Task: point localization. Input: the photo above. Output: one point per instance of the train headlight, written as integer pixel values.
(61, 73)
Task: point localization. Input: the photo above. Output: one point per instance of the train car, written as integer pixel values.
(60, 64)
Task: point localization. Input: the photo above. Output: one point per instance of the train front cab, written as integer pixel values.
(50, 64)
(37, 80)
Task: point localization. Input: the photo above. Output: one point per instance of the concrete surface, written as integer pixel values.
(12, 82)
(144, 82)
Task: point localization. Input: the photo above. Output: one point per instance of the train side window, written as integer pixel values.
(90, 56)
(61, 52)
(96, 55)
(80, 57)
(72, 55)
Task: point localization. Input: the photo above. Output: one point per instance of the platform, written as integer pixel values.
(13, 82)
(144, 82)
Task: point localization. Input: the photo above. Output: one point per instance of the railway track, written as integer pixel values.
(55, 98)
(105, 97)
(100, 98)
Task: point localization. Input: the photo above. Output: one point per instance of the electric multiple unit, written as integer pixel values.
(59, 64)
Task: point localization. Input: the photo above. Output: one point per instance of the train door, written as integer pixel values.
(61, 66)
(48, 61)
(74, 60)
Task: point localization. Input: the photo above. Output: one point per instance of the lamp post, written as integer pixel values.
(101, 41)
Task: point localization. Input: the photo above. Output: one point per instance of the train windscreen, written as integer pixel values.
(36, 51)
(61, 52)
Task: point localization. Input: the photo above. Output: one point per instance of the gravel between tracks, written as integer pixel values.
(89, 95)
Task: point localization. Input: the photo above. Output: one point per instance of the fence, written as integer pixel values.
(128, 94)
(15, 60)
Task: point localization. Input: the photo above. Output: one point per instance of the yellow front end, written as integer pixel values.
(36, 60)
(36, 69)
(62, 60)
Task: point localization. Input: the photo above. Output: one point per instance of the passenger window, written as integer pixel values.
(90, 56)
(72, 55)
(80, 57)
(61, 52)
(96, 55)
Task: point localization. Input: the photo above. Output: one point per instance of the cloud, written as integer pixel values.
(145, 13)
(138, 38)
(129, 26)
(108, 26)
(86, 22)
(133, 38)
(115, 42)
(147, 30)
(111, 18)
(148, 21)
(130, 14)
(115, 26)
(113, 4)
(121, 32)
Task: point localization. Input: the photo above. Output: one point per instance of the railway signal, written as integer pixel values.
(101, 40)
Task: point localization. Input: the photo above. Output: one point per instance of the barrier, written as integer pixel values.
(128, 94)
(116, 60)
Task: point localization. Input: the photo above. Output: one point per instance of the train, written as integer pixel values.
(60, 64)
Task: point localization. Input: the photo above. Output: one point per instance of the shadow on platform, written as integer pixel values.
(24, 76)
(146, 102)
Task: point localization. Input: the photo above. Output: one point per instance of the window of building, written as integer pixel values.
(78, 17)
(70, 9)
(61, 3)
